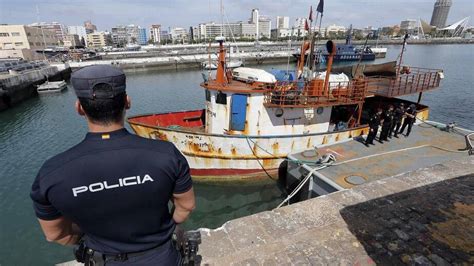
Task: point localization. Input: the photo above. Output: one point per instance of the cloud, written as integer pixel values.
(185, 13)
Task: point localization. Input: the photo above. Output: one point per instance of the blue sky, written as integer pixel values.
(184, 13)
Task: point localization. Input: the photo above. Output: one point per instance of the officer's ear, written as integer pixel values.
(128, 103)
(79, 109)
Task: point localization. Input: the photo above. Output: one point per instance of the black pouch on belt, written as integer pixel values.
(80, 251)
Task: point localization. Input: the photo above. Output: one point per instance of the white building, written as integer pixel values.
(119, 36)
(254, 20)
(249, 30)
(179, 34)
(257, 26)
(195, 33)
(335, 29)
(125, 35)
(282, 22)
(264, 27)
(133, 34)
(285, 33)
(408, 24)
(78, 30)
(300, 23)
(155, 33)
(229, 30)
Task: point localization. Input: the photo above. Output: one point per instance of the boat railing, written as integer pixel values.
(410, 80)
(313, 93)
(469, 146)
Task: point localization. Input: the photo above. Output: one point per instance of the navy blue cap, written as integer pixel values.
(84, 80)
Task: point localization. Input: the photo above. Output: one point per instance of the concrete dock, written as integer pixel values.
(424, 217)
(15, 88)
(179, 62)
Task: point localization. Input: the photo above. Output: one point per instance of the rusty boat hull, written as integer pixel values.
(222, 157)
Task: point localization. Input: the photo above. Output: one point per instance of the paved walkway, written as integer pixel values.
(425, 217)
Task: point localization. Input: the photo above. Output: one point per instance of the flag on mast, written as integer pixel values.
(311, 14)
(306, 27)
(320, 7)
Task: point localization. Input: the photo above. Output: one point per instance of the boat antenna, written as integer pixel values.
(378, 35)
(231, 34)
(319, 10)
(289, 50)
(209, 65)
(363, 49)
(401, 53)
(311, 45)
(420, 28)
(42, 30)
(222, 19)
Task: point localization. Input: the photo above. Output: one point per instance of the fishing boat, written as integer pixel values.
(349, 52)
(345, 52)
(250, 124)
(51, 87)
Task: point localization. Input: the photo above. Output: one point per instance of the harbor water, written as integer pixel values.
(44, 126)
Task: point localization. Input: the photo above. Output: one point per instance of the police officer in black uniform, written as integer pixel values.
(374, 123)
(110, 192)
(397, 119)
(387, 118)
(410, 117)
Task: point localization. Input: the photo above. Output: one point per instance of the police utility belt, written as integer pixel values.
(91, 257)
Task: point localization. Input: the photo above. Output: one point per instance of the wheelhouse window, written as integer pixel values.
(221, 98)
(208, 95)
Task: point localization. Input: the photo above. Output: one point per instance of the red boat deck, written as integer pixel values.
(190, 120)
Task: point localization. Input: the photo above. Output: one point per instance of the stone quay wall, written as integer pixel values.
(425, 217)
(15, 88)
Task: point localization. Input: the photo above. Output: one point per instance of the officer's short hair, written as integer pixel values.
(104, 111)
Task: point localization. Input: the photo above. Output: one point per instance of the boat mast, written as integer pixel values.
(401, 53)
(220, 75)
(42, 30)
(289, 50)
(222, 19)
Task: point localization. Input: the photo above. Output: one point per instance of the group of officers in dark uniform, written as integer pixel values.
(391, 121)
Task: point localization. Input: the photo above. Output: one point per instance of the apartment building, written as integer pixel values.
(56, 27)
(23, 41)
(98, 39)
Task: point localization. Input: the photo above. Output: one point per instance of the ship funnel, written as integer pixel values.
(221, 68)
(331, 47)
